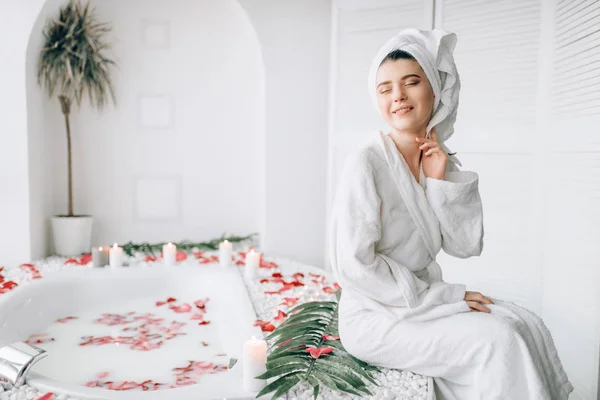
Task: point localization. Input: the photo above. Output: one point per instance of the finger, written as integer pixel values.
(472, 295)
(477, 296)
(426, 145)
(431, 151)
(478, 306)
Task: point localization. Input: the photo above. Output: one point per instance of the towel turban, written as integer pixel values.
(433, 51)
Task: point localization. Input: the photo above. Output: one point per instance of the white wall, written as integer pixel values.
(194, 175)
(46, 132)
(16, 23)
(295, 38)
(274, 184)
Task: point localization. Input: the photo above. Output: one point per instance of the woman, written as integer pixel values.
(400, 200)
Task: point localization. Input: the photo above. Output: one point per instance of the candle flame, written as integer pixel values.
(115, 245)
(100, 248)
(253, 337)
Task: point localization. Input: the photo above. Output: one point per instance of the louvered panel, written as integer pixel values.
(507, 268)
(497, 49)
(579, 28)
(570, 11)
(576, 67)
(571, 265)
(487, 9)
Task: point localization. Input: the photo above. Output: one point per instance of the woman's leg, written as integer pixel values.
(471, 355)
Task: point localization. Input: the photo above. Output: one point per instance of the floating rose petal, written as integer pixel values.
(197, 317)
(65, 319)
(102, 375)
(169, 300)
(204, 323)
(314, 275)
(204, 344)
(201, 303)
(183, 308)
(318, 352)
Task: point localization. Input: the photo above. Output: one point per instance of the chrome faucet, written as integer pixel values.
(15, 361)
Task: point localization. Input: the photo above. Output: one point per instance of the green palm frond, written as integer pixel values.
(290, 363)
(74, 57)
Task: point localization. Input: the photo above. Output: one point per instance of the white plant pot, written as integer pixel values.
(72, 235)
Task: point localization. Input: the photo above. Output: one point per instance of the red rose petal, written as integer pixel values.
(183, 308)
(280, 316)
(318, 352)
(47, 396)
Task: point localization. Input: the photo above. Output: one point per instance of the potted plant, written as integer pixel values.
(73, 61)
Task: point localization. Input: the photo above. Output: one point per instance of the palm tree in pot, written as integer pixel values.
(74, 61)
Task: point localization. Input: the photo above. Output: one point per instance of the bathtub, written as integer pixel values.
(84, 310)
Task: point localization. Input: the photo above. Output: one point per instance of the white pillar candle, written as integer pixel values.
(169, 253)
(116, 256)
(254, 363)
(225, 253)
(100, 256)
(252, 264)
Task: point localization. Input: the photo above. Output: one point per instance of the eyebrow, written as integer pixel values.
(404, 77)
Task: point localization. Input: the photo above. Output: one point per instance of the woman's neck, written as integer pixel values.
(408, 146)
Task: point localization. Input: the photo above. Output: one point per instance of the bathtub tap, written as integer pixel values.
(15, 361)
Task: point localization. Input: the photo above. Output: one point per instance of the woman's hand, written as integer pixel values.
(476, 301)
(434, 158)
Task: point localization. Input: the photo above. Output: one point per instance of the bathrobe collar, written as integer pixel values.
(413, 195)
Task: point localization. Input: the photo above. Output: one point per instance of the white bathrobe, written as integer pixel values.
(397, 312)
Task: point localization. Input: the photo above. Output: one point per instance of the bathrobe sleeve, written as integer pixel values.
(457, 205)
(355, 231)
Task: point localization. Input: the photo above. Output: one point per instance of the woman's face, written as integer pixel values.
(404, 95)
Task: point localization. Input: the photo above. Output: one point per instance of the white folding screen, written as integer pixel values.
(528, 124)
(571, 268)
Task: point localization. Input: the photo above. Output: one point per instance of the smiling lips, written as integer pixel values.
(402, 110)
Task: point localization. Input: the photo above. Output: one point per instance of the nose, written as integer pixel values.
(399, 94)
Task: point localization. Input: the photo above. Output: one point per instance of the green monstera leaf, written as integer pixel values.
(306, 347)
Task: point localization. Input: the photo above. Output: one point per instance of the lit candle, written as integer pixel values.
(225, 253)
(252, 263)
(116, 256)
(169, 253)
(100, 256)
(254, 363)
